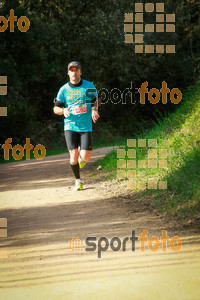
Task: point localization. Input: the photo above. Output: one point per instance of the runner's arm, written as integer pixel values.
(59, 109)
(95, 113)
(96, 102)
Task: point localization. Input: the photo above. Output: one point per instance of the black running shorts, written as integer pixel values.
(75, 139)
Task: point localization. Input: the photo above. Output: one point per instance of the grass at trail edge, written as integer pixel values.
(179, 134)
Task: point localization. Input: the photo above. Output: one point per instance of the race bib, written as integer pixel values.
(79, 109)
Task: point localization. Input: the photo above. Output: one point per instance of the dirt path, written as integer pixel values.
(44, 213)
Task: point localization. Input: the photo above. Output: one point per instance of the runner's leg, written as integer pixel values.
(85, 154)
(73, 140)
(74, 162)
(85, 148)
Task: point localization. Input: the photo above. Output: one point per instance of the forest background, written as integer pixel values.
(92, 32)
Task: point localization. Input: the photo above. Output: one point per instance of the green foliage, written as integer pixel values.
(179, 133)
(92, 32)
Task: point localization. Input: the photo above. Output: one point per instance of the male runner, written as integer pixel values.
(78, 101)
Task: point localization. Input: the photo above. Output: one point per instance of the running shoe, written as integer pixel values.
(81, 162)
(78, 185)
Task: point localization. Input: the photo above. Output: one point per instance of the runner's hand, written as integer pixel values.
(95, 115)
(66, 112)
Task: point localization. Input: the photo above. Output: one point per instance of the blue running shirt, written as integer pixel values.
(78, 99)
